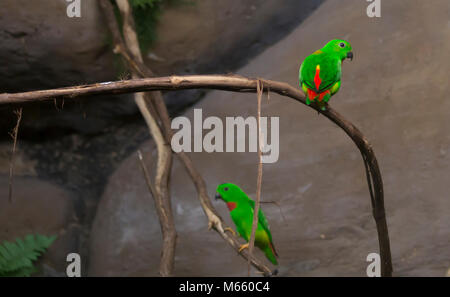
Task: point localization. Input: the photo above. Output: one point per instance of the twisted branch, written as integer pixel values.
(157, 108)
(236, 83)
(161, 194)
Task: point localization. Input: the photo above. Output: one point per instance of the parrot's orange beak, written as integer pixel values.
(350, 56)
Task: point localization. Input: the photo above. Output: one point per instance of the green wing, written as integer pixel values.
(330, 71)
(261, 219)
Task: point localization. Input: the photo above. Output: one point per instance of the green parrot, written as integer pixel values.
(241, 210)
(320, 72)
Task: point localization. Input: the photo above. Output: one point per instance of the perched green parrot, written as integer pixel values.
(320, 72)
(241, 210)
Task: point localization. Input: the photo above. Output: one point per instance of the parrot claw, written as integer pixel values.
(243, 247)
(230, 230)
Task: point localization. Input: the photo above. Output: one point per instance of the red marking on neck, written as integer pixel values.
(317, 80)
(231, 205)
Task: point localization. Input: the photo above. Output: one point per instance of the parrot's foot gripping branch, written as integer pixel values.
(243, 247)
(229, 230)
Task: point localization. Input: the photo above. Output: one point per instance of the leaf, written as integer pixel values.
(16, 258)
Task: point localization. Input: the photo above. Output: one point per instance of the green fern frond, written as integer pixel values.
(16, 258)
(25, 271)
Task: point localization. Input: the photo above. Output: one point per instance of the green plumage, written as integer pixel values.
(16, 258)
(320, 72)
(241, 211)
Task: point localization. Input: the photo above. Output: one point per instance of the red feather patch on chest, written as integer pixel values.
(317, 80)
(231, 205)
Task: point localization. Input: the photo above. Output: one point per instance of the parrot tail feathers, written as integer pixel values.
(322, 105)
(321, 99)
(271, 254)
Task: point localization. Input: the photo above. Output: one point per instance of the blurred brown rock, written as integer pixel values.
(40, 207)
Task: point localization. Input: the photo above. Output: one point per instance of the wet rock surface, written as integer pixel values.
(326, 226)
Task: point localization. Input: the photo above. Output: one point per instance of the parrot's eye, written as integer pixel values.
(225, 189)
(342, 44)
